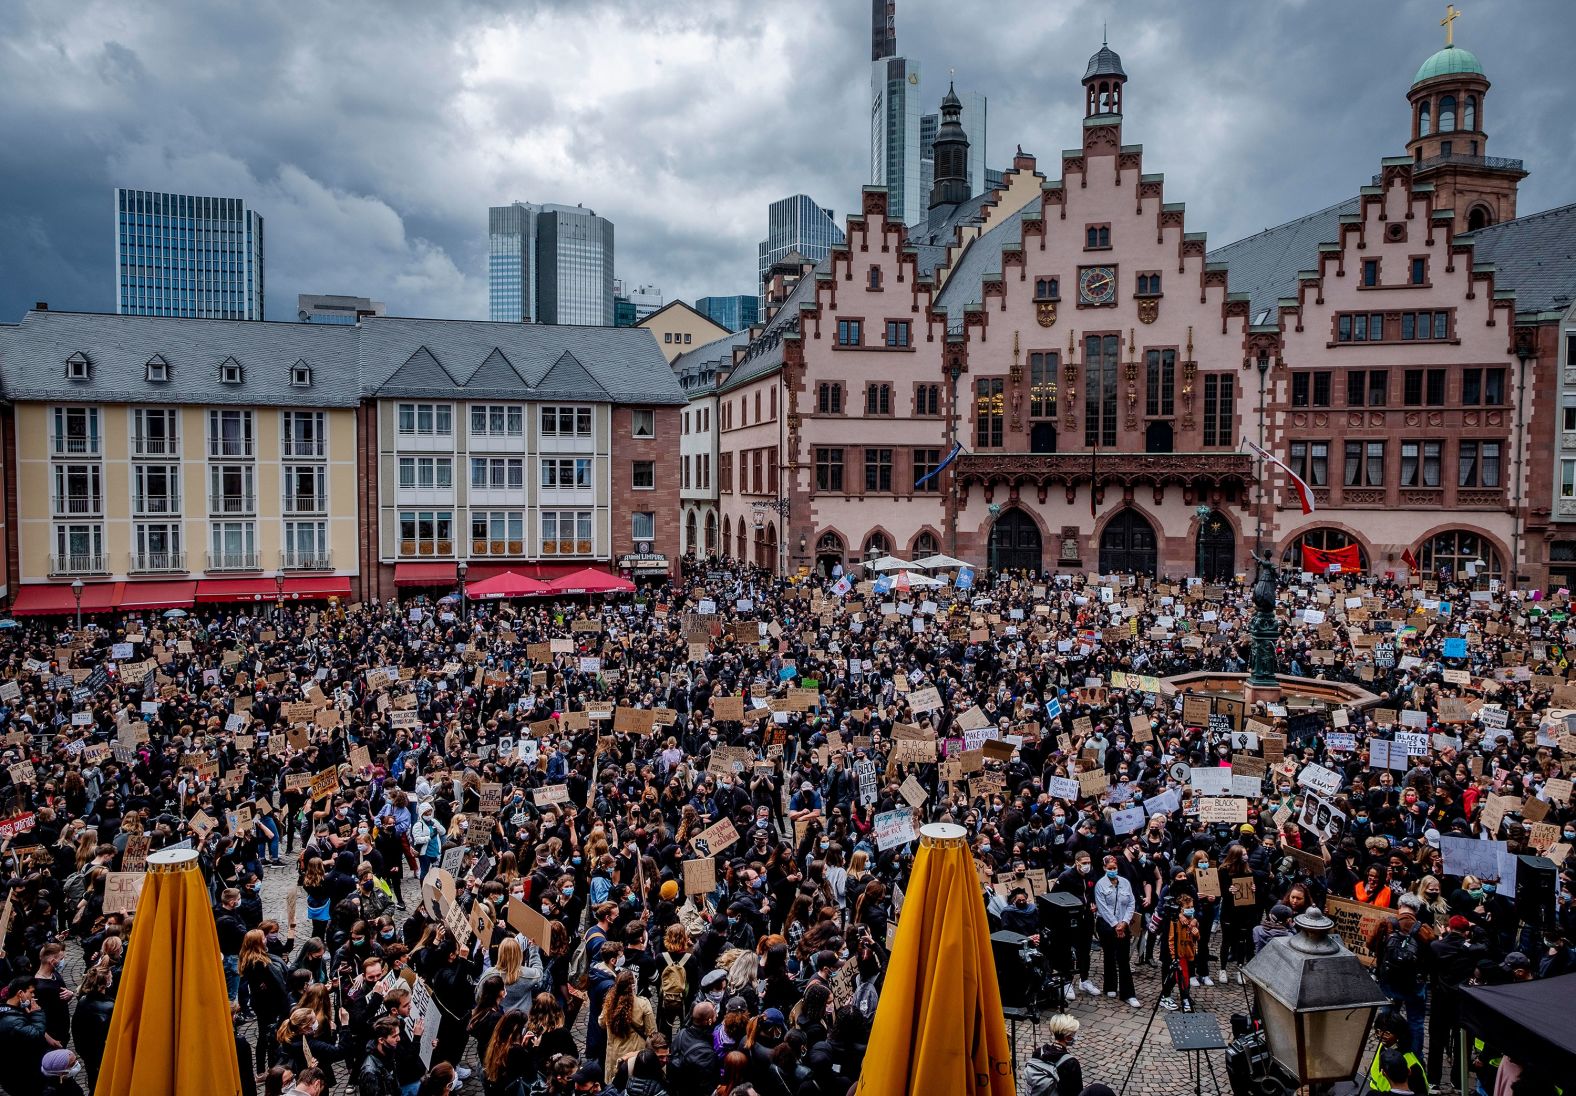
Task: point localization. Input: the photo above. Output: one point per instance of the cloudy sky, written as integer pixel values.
(372, 136)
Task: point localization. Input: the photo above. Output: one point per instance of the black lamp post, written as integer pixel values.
(1264, 629)
(460, 568)
(76, 592)
(279, 595)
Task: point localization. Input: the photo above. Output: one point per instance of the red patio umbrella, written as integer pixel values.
(507, 584)
(589, 580)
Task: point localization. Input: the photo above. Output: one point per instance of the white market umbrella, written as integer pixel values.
(888, 563)
(915, 580)
(938, 562)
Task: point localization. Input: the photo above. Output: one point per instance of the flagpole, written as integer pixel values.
(1258, 535)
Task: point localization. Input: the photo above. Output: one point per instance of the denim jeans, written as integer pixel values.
(232, 975)
(1416, 1007)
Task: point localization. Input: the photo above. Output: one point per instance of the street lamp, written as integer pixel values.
(279, 595)
(460, 568)
(76, 592)
(1316, 1001)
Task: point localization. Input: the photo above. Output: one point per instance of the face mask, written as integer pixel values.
(567, 892)
(1202, 864)
(1083, 869)
(1060, 819)
(1110, 873)
(1189, 913)
(387, 934)
(1478, 893)
(1490, 888)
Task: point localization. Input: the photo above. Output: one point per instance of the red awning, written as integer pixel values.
(237, 589)
(158, 595)
(507, 584)
(317, 586)
(56, 597)
(591, 581)
(543, 572)
(424, 574)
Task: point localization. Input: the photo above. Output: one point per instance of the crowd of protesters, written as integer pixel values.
(491, 860)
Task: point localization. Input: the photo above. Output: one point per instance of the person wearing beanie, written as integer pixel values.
(62, 1072)
(669, 891)
(1454, 956)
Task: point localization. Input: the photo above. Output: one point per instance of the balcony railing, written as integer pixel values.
(76, 445)
(426, 547)
(306, 504)
(229, 447)
(306, 561)
(497, 547)
(158, 562)
(234, 561)
(78, 504)
(145, 446)
(156, 504)
(232, 504)
(79, 565)
(308, 447)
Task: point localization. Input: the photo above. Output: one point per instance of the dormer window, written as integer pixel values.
(78, 367)
(301, 375)
(157, 369)
(230, 372)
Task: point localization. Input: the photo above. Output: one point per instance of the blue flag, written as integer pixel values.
(1053, 708)
(883, 584)
(965, 579)
(1456, 647)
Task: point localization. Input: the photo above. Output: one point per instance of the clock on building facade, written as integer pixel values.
(1096, 285)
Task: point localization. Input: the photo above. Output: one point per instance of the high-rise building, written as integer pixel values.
(187, 255)
(797, 224)
(736, 312)
(334, 308)
(550, 264)
(644, 299)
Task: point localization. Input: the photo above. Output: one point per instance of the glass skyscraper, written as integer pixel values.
(736, 312)
(187, 255)
(549, 264)
(796, 224)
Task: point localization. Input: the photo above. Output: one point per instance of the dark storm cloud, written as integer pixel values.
(372, 136)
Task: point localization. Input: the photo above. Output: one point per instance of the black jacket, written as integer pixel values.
(692, 1067)
(22, 1049)
(376, 1076)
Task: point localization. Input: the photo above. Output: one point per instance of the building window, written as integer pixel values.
(1364, 464)
(1370, 271)
(1419, 271)
(1311, 461)
(497, 420)
(156, 488)
(878, 399)
(643, 475)
(897, 333)
(989, 412)
(1047, 289)
(230, 372)
(1097, 237)
(306, 544)
(78, 368)
(1367, 388)
(1310, 388)
(566, 422)
(725, 473)
(643, 525)
(1483, 386)
(563, 473)
(1420, 463)
(1100, 357)
(1359, 327)
(927, 399)
(426, 533)
(875, 277)
(667, 336)
(1220, 391)
(232, 546)
(829, 398)
(157, 547)
(78, 489)
(79, 549)
(1425, 326)
(642, 423)
(488, 473)
(849, 332)
(1148, 285)
(497, 533)
(1160, 368)
(1042, 383)
(1568, 479)
(157, 370)
(1568, 411)
(306, 488)
(303, 434)
(925, 462)
(301, 375)
(155, 433)
(878, 470)
(1447, 554)
(687, 338)
(1478, 464)
(566, 532)
(428, 420)
(829, 470)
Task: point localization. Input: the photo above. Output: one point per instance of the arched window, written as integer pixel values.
(711, 533)
(925, 545)
(830, 543)
(1478, 217)
(1447, 113)
(1469, 113)
(727, 535)
(1448, 554)
(691, 534)
(1424, 125)
(876, 544)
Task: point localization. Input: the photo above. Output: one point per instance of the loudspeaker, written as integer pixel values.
(1060, 911)
(1012, 973)
(1535, 890)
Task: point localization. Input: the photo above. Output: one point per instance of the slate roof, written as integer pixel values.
(1265, 265)
(766, 352)
(33, 357)
(982, 257)
(713, 357)
(380, 357)
(1533, 255)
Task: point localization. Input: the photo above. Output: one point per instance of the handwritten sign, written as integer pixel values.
(121, 891)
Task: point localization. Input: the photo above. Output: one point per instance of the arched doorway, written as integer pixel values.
(743, 540)
(1042, 437)
(1015, 542)
(711, 532)
(1446, 556)
(727, 536)
(1217, 548)
(1127, 546)
(1158, 437)
(925, 545)
(691, 534)
(1324, 539)
(829, 554)
(769, 547)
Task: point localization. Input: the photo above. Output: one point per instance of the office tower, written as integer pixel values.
(549, 264)
(187, 255)
(511, 263)
(736, 312)
(334, 308)
(894, 136)
(796, 224)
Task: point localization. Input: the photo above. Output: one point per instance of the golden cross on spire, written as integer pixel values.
(1448, 22)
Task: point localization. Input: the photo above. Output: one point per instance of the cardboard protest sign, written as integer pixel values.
(325, 784)
(924, 700)
(550, 795)
(1222, 809)
(716, 838)
(121, 891)
(700, 876)
(894, 828)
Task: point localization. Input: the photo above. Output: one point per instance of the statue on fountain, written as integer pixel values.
(1264, 628)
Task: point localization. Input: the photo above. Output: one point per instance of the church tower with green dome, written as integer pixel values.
(1450, 138)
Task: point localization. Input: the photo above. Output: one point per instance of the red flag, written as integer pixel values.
(1409, 559)
(1304, 493)
(1318, 561)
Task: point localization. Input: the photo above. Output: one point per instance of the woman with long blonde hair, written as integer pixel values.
(629, 1021)
(519, 979)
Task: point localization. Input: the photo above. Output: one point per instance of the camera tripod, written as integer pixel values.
(1195, 1033)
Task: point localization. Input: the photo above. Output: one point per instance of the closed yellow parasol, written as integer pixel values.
(171, 1031)
(939, 1025)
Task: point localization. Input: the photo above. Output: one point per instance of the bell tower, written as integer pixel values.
(1102, 82)
(1449, 138)
(951, 184)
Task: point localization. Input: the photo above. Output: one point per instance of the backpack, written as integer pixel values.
(673, 984)
(580, 962)
(420, 834)
(76, 887)
(1401, 962)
